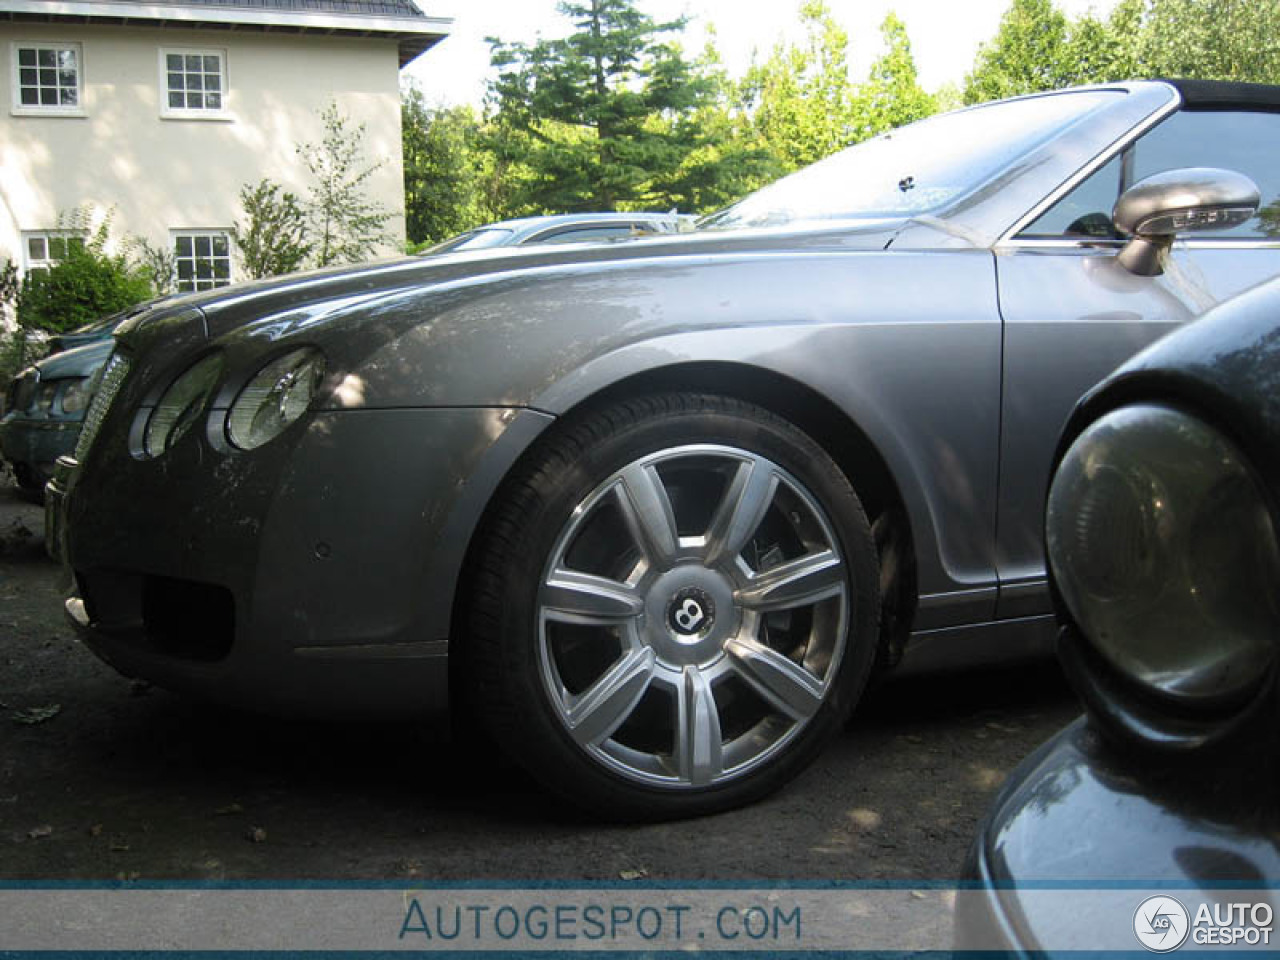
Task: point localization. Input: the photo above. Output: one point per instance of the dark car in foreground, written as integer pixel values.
(562, 228)
(1161, 533)
(648, 513)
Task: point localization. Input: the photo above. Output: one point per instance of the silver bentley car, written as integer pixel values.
(647, 515)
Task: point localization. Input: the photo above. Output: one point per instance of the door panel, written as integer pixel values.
(1071, 317)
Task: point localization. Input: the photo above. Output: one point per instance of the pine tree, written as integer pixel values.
(585, 122)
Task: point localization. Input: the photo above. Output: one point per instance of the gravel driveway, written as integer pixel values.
(102, 778)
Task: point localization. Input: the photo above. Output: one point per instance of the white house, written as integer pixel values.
(156, 114)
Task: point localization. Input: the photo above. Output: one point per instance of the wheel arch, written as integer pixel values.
(810, 411)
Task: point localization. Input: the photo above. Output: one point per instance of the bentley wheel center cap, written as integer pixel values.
(692, 614)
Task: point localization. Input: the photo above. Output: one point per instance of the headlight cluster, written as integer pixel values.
(182, 404)
(76, 395)
(274, 398)
(277, 396)
(1163, 548)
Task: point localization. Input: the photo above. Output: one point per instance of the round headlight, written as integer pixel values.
(277, 396)
(1163, 549)
(182, 404)
(76, 395)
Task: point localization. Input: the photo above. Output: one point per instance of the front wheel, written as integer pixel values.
(676, 607)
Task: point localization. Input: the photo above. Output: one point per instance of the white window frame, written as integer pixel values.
(189, 113)
(198, 284)
(20, 109)
(30, 263)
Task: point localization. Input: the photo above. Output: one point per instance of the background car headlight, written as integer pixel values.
(277, 396)
(76, 395)
(1163, 549)
(182, 404)
(44, 397)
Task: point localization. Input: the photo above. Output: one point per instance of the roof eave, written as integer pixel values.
(415, 35)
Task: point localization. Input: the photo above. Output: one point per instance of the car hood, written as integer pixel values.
(337, 290)
(77, 362)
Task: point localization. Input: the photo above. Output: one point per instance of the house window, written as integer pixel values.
(47, 77)
(202, 259)
(44, 248)
(194, 81)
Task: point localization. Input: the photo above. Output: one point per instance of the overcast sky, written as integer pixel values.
(944, 33)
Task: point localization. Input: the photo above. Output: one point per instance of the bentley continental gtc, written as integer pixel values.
(650, 513)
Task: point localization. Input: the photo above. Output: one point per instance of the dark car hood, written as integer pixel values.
(79, 361)
(321, 291)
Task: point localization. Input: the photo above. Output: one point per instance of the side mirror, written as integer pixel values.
(1153, 211)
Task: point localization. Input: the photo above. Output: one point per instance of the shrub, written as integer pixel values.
(86, 285)
(273, 238)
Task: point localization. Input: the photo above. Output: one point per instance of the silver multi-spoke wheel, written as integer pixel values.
(674, 605)
(692, 616)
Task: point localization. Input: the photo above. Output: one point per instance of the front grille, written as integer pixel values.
(113, 376)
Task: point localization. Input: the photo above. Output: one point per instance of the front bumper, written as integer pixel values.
(316, 575)
(33, 446)
(1080, 816)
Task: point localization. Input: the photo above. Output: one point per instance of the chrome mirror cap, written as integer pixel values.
(1158, 208)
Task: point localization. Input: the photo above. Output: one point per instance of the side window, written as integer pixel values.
(194, 83)
(1245, 141)
(43, 248)
(1086, 210)
(202, 259)
(614, 231)
(47, 78)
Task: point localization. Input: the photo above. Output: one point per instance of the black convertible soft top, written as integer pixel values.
(1217, 94)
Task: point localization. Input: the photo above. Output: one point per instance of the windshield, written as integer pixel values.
(914, 169)
(471, 240)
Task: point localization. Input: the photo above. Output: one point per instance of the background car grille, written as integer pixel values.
(113, 375)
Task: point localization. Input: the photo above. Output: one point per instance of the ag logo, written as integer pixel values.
(1161, 924)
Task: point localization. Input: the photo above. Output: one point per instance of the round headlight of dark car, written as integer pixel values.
(1164, 551)
(182, 404)
(275, 398)
(76, 395)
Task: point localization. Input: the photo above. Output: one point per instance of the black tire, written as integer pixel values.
(749, 689)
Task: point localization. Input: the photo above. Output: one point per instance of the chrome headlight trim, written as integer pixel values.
(1163, 548)
(182, 404)
(279, 393)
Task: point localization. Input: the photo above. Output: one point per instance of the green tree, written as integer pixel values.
(801, 101)
(10, 284)
(726, 160)
(1208, 39)
(1031, 51)
(13, 344)
(584, 122)
(1039, 48)
(447, 172)
(346, 226)
(158, 262)
(892, 95)
(273, 237)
